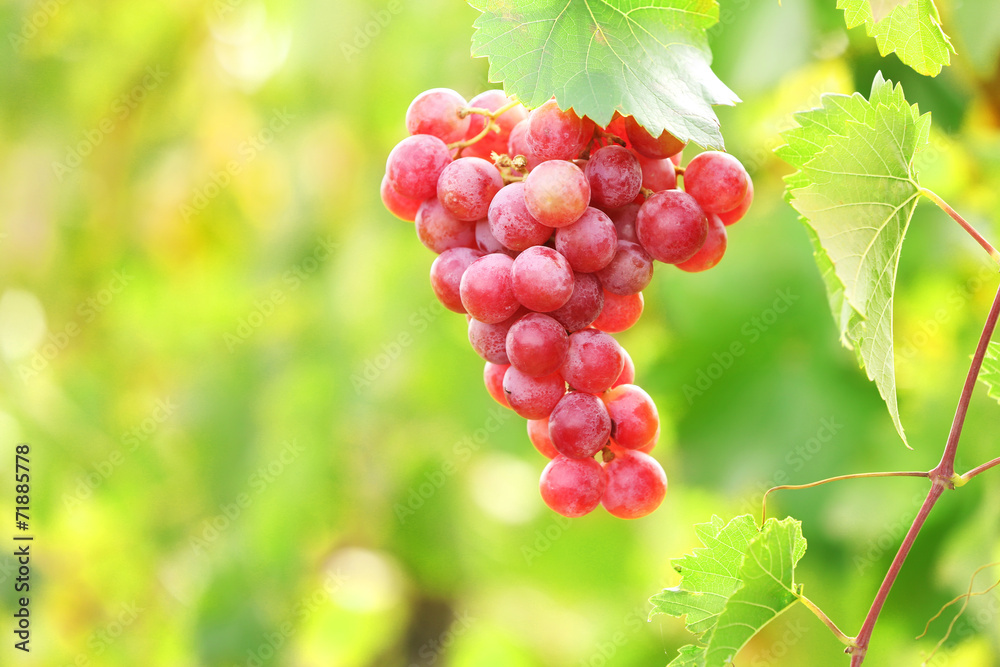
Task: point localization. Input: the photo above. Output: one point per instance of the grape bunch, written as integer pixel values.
(546, 228)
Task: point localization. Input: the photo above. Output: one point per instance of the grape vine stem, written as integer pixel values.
(942, 477)
(994, 253)
(490, 125)
(859, 475)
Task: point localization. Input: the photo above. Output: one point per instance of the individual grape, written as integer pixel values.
(649, 446)
(593, 362)
(487, 291)
(653, 147)
(511, 223)
(584, 304)
(633, 415)
(402, 207)
(624, 221)
(658, 175)
(619, 312)
(579, 425)
(542, 279)
(414, 165)
(717, 181)
(538, 433)
(488, 243)
(572, 487)
(532, 397)
(627, 375)
(589, 243)
(735, 215)
(493, 142)
(671, 226)
(446, 275)
(556, 193)
(636, 485)
(537, 344)
(614, 175)
(629, 271)
(490, 340)
(439, 230)
(711, 253)
(467, 186)
(518, 145)
(436, 112)
(676, 159)
(493, 379)
(554, 134)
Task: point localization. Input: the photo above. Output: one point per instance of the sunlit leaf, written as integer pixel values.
(856, 191)
(733, 586)
(645, 58)
(909, 28)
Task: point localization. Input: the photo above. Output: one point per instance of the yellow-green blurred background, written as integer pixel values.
(256, 440)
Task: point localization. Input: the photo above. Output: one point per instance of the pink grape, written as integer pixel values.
(633, 415)
(653, 147)
(467, 186)
(584, 304)
(538, 434)
(629, 271)
(658, 175)
(554, 134)
(717, 181)
(436, 112)
(512, 224)
(446, 275)
(711, 253)
(572, 487)
(579, 425)
(402, 207)
(542, 279)
(493, 142)
(615, 176)
(493, 379)
(518, 145)
(628, 372)
(635, 487)
(593, 361)
(532, 397)
(671, 226)
(414, 165)
(537, 344)
(589, 243)
(488, 243)
(439, 230)
(490, 340)
(487, 289)
(619, 312)
(556, 193)
(735, 215)
(624, 221)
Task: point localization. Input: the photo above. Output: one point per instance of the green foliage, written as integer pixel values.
(909, 28)
(856, 191)
(648, 59)
(990, 374)
(734, 586)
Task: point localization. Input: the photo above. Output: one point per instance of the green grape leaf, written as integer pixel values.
(645, 58)
(909, 28)
(733, 586)
(990, 373)
(856, 191)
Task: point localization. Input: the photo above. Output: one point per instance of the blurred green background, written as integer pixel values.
(256, 439)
